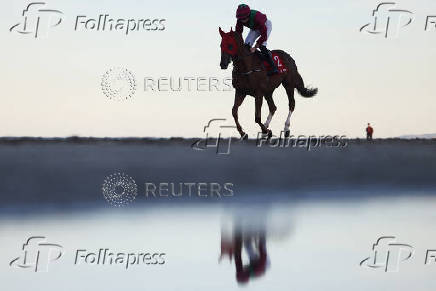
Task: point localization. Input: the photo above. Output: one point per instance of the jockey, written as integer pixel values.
(259, 26)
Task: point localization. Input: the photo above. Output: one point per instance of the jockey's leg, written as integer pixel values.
(265, 52)
(251, 37)
(268, 56)
(268, 25)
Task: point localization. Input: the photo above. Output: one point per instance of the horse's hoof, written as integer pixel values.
(269, 133)
(244, 136)
(287, 133)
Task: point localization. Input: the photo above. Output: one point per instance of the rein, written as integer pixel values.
(251, 71)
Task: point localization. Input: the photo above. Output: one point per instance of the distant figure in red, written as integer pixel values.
(369, 132)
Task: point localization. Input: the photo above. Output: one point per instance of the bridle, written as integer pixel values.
(239, 58)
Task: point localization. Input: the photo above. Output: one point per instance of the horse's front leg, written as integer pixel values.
(258, 114)
(239, 98)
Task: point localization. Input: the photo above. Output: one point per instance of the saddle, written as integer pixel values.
(277, 60)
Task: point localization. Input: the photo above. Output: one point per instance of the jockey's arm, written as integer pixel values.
(239, 27)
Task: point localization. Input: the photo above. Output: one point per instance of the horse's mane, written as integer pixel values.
(239, 40)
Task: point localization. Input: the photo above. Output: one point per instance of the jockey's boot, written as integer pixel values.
(268, 56)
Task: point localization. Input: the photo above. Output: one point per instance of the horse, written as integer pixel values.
(250, 77)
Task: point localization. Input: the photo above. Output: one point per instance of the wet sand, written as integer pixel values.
(72, 171)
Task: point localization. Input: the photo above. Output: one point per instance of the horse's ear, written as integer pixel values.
(221, 32)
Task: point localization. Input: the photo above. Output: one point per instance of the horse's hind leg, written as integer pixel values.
(239, 98)
(290, 93)
(272, 109)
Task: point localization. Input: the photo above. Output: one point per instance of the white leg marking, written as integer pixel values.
(288, 121)
(268, 120)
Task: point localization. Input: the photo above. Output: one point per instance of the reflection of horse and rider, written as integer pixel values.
(244, 236)
(259, 73)
(254, 245)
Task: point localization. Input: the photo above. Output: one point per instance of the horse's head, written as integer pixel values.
(229, 47)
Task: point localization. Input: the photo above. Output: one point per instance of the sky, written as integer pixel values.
(52, 83)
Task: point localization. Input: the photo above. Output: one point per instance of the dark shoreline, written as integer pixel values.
(174, 140)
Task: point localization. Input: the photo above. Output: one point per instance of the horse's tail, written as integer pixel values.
(305, 92)
(299, 83)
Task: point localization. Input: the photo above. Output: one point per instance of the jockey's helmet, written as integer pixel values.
(243, 11)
